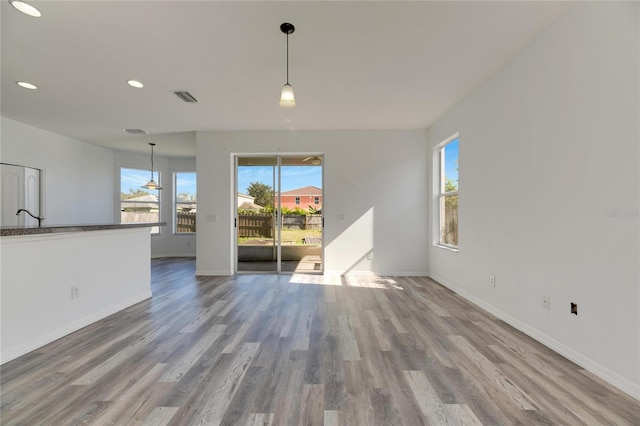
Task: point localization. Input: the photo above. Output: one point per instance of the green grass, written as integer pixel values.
(289, 236)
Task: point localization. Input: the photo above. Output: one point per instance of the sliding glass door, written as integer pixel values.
(255, 224)
(278, 223)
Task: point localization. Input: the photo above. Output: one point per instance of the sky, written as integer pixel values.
(186, 182)
(135, 178)
(451, 160)
(292, 176)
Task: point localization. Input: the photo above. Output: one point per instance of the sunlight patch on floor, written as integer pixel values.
(347, 281)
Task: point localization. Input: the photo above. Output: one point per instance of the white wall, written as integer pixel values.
(77, 177)
(165, 244)
(548, 147)
(81, 181)
(372, 179)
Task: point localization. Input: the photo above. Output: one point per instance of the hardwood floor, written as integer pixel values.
(302, 349)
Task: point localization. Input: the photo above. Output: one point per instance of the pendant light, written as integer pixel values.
(287, 99)
(152, 185)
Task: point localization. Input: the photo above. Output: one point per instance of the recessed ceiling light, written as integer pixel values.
(26, 85)
(136, 131)
(136, 84)
(26, 8)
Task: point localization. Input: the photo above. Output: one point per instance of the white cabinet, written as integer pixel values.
(19, 189)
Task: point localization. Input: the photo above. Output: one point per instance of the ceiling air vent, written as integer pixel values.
(136, 131)
(186, 97)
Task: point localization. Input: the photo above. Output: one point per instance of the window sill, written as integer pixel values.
(448, 248)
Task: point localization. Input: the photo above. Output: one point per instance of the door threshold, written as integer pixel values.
(279, 273)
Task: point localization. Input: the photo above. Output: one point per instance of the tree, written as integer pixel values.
(450, 230)
(451, 185)
(262, 193)
(133, 193)
(186, 197)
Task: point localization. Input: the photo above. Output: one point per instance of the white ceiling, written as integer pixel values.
(353, 65)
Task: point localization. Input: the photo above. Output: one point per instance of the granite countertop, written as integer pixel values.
(12, 231)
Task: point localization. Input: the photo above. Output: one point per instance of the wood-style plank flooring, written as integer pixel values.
(302, 350)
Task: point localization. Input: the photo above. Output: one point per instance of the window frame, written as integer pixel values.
(175, 203)
(439, 193)
(297, 201)
(155, 230)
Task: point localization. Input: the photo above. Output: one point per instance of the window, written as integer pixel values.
(446, 194)
(138, 204)
(316, 200)
(297, 201)
(185, 202)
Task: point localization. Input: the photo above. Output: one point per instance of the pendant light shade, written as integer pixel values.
(287, 99)
(152, 185)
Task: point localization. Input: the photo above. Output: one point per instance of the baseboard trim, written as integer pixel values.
(53, 335)
(606, 374)
(202, 273)
(158, 256)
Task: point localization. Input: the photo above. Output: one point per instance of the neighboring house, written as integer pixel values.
(244, 198)
(186, 207)
(145, 203)
(249, 206)
(141, 209)
(302, 198)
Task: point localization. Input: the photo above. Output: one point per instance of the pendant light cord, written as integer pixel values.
(151, 162)
(287, 58)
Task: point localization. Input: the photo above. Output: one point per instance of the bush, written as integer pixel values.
(268, 210)
(250, 212)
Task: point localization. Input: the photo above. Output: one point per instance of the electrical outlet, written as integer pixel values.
(75, 292)
(492, 280)
(546, 302)
(370, 255)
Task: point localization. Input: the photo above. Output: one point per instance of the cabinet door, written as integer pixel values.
(12, 194)
(31, 194)
(20, 189)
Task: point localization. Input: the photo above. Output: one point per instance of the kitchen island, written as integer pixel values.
(57, 279)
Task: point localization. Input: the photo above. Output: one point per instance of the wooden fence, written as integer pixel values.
(249, 225)
(255, 225)
(186, 222)
(138, 216)
(141, 216)
(261, 225)
(450, 227)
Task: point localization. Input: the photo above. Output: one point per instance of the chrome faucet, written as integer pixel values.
(31, 214)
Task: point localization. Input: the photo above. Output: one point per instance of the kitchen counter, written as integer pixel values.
(12, 231)
(55, 280)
